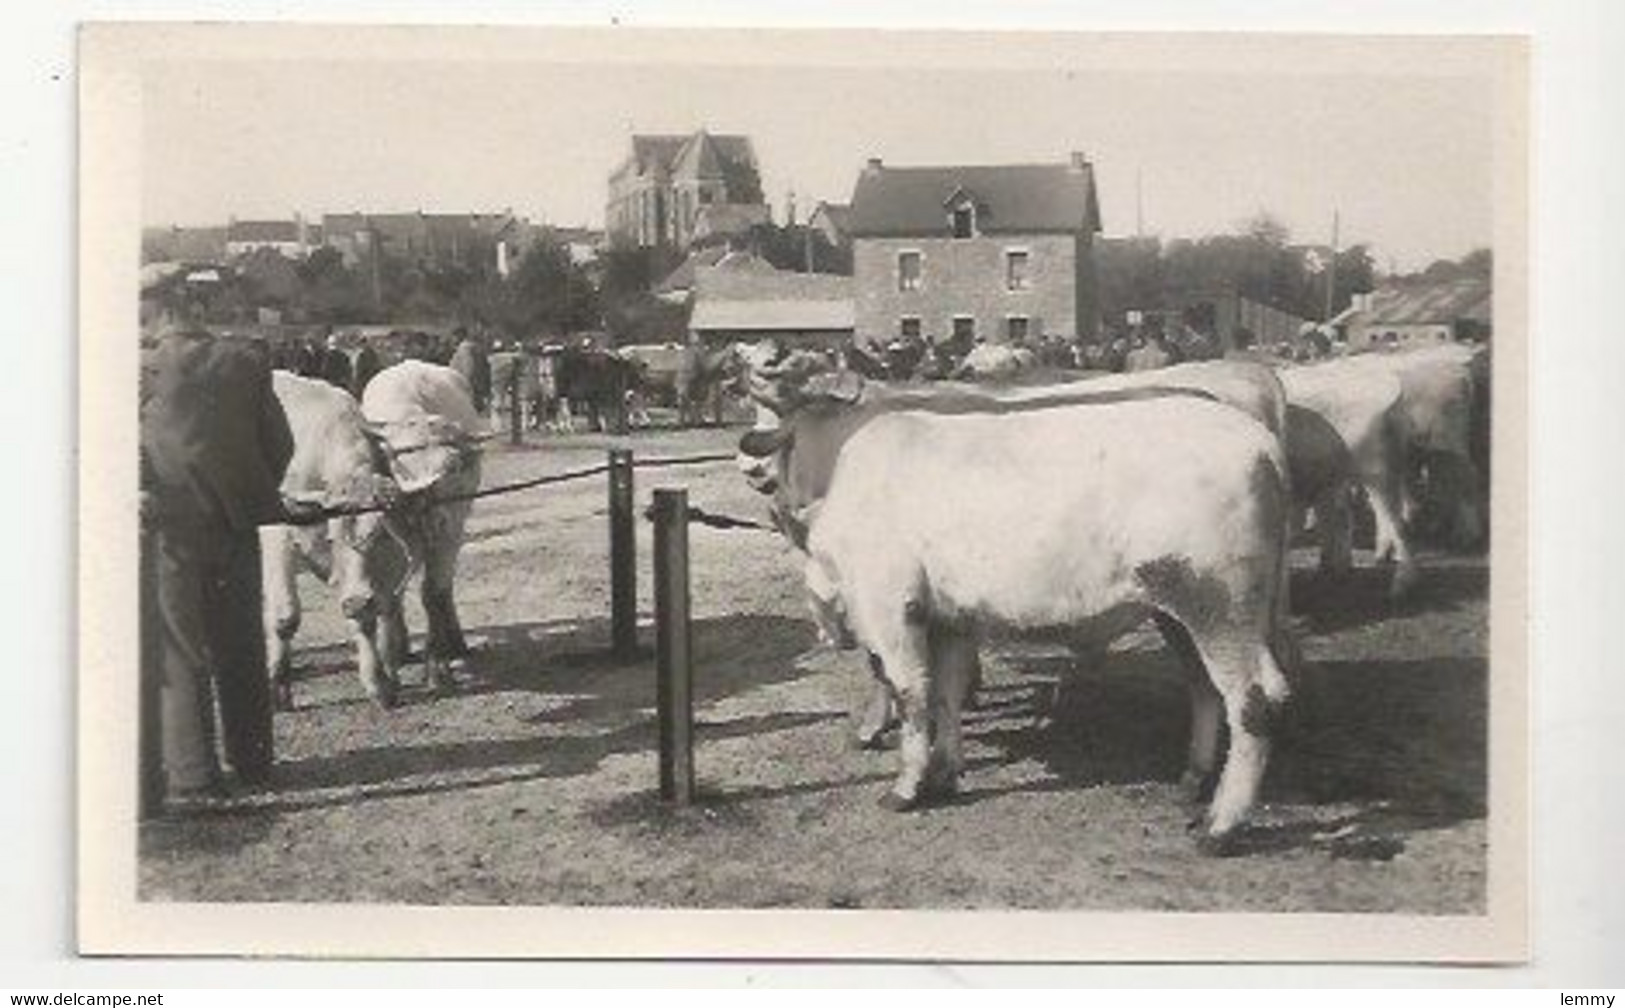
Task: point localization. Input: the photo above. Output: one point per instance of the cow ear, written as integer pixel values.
(763, 443)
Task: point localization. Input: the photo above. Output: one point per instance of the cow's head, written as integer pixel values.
(365, 546)
(805, 411)
(420, 450)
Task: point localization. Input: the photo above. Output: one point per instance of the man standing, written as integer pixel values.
(214, 444)
(470, 361)
(367, 364)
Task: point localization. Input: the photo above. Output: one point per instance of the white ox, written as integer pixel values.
(424, 418)
(1444, 394)
(937, 526)
(1346, 416)
(799, 481)
(364, 556)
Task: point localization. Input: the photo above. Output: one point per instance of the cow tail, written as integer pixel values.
(1284, 661)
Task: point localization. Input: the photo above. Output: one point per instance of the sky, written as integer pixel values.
(1405, 160)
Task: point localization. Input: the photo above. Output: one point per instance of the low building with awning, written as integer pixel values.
(745, 300)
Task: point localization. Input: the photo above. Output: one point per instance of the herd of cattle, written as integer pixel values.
(930, 516)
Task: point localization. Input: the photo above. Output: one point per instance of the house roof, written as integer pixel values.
(772, 316)
(262, 231)
(682, 277)
(700, 154)
(905, 202)
(729, 219)
(743, 277)
(839, 215)
(744, 292)
(1430, 303)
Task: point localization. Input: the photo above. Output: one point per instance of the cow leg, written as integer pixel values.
(1390, 537)
(279, 584)
(370, 667)
(446, 641)
(908, 670)
(1244, 674)
(393, 639)
(955, 660)
(878, 716)
(1207, 713)
(1334, 529)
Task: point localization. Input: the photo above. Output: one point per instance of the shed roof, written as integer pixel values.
(903, 202)
(1468, 298)
(827, 316)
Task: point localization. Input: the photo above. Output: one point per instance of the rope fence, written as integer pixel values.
(318, 515)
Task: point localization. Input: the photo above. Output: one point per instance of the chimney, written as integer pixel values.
(1079, 161)
(301, 231)
(873, 166)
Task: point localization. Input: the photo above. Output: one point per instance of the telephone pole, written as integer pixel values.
(1331, 270)
(1139, 203)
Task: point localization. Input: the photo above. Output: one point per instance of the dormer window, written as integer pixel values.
(961, 207)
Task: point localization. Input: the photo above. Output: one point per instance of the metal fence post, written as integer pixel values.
(623, 556)
(674, 669)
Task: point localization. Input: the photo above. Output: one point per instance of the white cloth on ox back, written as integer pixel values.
(426, 417)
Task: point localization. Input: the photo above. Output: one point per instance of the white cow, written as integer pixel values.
(935, 526)
(1444, 392)
(366, 557)
(424, 418)
(1347, 415)
(798, 481)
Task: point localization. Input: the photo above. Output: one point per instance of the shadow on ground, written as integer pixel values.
(1394, 746)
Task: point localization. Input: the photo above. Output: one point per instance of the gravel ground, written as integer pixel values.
(534, 783)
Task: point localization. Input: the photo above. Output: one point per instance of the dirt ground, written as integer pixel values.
(534, 783)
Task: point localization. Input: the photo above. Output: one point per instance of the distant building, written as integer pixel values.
(183, 244)
(743, 298)
(1421, 312)
(292, 239)
(833, 221)
(999, 253)
(658, 193)
(473, 240)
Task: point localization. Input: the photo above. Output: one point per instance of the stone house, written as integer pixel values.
(1001, 253)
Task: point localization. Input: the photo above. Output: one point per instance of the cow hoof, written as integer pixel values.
(1218, 844)
(1404, 582)
(942, 786)
(875, 739)
(1196, 788)
(891, 801)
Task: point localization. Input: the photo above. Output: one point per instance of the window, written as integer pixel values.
(908, 327)
(908, 271)
(964, 222)
(1016, 329)
(1016, 277)
(705, 197)
(964, 328)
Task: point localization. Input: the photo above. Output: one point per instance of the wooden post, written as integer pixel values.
(623, 556)
(149, 740)
(516, 409)
(674, 669)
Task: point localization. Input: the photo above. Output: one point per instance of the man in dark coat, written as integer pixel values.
(214, 444)
(367, 364)
(336, 370)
